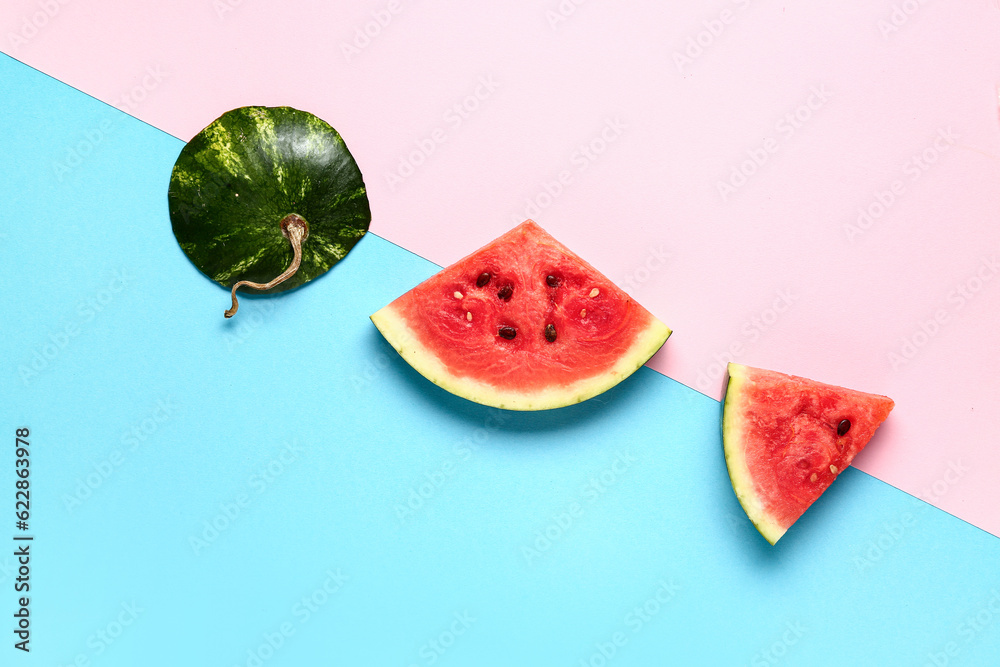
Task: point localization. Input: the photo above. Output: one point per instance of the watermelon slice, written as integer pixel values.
(787, 438)
(522, 324)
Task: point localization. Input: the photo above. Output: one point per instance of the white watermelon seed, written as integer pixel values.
(812, 477)
(458, 295)
(833, 469)
(594, 292)
(583, 313)
(468, 315)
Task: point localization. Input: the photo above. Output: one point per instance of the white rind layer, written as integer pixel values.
(399, 334)
(739, 474)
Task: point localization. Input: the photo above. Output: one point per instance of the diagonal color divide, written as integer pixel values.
(182, 497)
(775, 196)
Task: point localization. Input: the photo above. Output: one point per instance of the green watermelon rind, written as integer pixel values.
(749, 406)
(736, 463)
(235, 181)
(397, 332)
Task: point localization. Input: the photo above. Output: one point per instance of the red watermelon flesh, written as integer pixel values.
(787, 438)
(522, 323)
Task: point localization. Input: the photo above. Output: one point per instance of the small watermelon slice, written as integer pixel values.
(521, 324)
(787, 438)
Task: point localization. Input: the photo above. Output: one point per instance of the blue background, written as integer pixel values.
(282, 489)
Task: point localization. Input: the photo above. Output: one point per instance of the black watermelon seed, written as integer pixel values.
(505, 292)
(550, 333)
(507, 332)
(483, 279)
(552, 281)
(843, 427)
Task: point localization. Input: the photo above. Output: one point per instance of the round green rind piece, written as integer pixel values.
(238, 178)
(733, 420)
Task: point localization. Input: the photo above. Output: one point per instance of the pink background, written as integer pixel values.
(466, 119)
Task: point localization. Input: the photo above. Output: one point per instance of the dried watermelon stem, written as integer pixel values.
(296, 230)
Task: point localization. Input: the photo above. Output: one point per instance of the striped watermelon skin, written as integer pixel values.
(234, 182)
